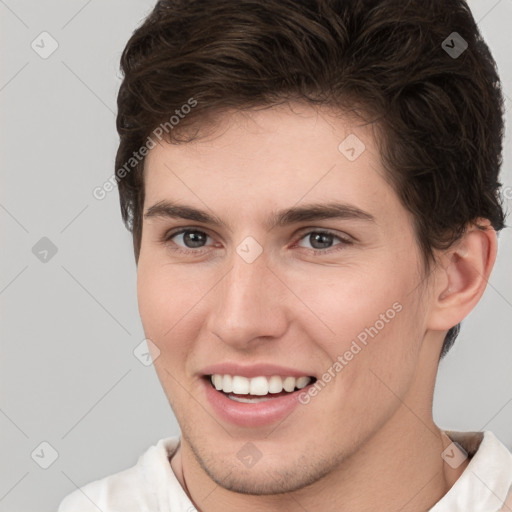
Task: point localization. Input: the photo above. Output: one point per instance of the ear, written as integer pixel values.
(462, 275)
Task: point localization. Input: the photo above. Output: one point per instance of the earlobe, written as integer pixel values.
(463, 275)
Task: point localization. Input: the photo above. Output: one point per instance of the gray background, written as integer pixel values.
(69, 326)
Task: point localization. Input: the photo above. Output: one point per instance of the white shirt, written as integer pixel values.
(151, 486)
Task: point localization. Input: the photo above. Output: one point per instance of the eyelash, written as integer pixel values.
(167, 237)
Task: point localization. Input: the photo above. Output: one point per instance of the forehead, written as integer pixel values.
(271, 157)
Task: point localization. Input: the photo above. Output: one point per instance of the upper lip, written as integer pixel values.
(254, 370)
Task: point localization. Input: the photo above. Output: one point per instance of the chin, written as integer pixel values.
(278, 476)
(263, 482)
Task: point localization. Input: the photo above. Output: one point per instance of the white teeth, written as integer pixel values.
(289, 384)
(217, 381)
(275, 384)
(302, 382)
(227, 383)
(252, 400)
(240, 385)
(257, 386)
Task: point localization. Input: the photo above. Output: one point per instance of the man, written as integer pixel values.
(312, 188)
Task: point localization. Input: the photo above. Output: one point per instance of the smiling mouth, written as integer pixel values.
(257, 389)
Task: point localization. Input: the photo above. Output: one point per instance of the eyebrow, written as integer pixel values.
(296, 214)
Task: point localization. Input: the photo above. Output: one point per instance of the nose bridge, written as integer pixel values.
(246, 305)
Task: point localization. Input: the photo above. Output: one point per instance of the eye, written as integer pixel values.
(321, 240)
(190, 239)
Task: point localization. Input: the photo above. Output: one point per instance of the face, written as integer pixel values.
(274, 253)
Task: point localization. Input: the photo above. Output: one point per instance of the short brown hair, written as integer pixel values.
(439, 115)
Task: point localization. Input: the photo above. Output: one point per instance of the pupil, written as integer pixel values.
(194, 238)
(324, 238)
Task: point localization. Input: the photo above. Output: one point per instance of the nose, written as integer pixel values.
(249, 304)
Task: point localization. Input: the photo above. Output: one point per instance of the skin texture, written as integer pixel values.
(370, 429)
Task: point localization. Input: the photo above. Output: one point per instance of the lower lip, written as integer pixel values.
(251, 415)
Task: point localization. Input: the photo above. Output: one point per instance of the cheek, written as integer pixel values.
(161, 307)
(365, 320)
(172, 312)
(164, 297)
(152, 302)
(348, 301)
